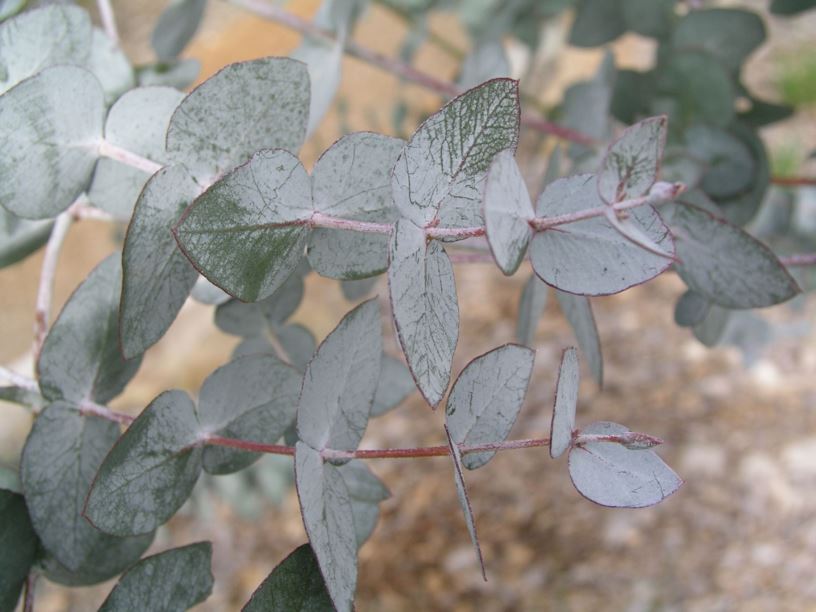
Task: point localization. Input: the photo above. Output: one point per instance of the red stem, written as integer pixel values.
(793, 181)
(802, 259)
(383, 453)
(28, 598)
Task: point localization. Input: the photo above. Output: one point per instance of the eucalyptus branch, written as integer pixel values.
(108, 19)
(111, 151)
(383, 453)
(793, 181)
(46, 287)
(28, 598)
(800, 259)
(19, 380)
(88, 407)
(394, 66)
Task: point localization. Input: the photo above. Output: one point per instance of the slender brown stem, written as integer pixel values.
(383, 453)
(28, 598)
(793, 181)
(394, 66)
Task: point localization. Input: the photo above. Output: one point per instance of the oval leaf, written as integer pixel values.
(340, 382)
(486, 399)
(295, 584)
(366, 491)
(49, 127)
(632, 162)
(566, 401)
(425, 307)
(612, 475)
(245, 107)
(150, 471)
(80, 358)
(176, 579)
(591, 257)
(157, 278)
(457, 142)
(508, 210)
(578, 311)
(246, 233)
(176, 27)
(394, 385)
(328, 517)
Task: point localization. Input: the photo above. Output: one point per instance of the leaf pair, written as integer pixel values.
(608, 464)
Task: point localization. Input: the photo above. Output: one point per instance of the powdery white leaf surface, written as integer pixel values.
(395, 384)
(252, 398)
(176, 579)
(295, 584)
(725, 264)
(352, 180)
(176, 27)
(150, 471)
(137, 122)
(459, 140)
(612, 475)
(328, 517)
(486, 399)
(80, 358)
(464, 500)
(44, 37)
(59, 460)
(632, 163)
(566, 401)
(591, 257)
(247, 232)
(366, 491)
(508, 210)
(425, 307)
(532, 303)
(243, 108)
(157, 278)
(340, 382)
(49, 127)
(578, 311)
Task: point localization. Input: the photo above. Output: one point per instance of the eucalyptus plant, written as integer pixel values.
(219, 207)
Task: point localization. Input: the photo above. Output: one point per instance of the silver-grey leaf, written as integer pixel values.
(50, 126)
(328, 517)
(176, 27)
(425, 307)
(395, 384)
(632, 163)
(508, 210)
(340, 382)
(612, 475)
(591, 257)
(486, 399)
(157, 278)
(110, 65)
(578, 311)
(245, 107)
(566, 401)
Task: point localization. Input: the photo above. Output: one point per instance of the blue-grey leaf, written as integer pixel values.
(347, 255)
(487, 61)
(157, 278)
(486, 399)
(60, 458)
(298, 343)
(176, 579)
(394, 385)
(354, 290)
(566, 401)
(725, 264)
(179, 74)
(591, 257)
(328, 517)
(110, 65)
(50, 125)
(691, 309)
(20, 237)
(508, 210)
(578, 311)
(460, 139)
(150, 471)
(711, 330)
(366, 491)
(252, 398)
(612, 475)
(532, 303)
(730, 35)
(47, 36)
(295, 584)
(80, 358)
(247, 232)
(324, 62)
(205, 292)
(632, 163)
(597, 22)
(255, 318)
(245, 107)
(17, 537)
(137, 122)
(340, 381)
(425, 307)
(176, 27)
(464, 500)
